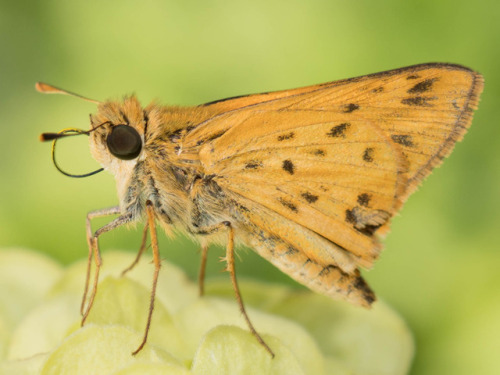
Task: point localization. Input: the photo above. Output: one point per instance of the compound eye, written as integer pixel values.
(124, 142)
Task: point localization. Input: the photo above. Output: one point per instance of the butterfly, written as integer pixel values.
(309, 178)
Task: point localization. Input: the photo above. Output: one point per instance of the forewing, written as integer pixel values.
(339, 158)
(424, 109)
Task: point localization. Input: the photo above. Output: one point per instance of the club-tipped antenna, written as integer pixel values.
(49, 89)
(68, 133)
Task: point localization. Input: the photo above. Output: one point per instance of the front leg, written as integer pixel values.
(94, 250)
(92, 215)
(92, 240)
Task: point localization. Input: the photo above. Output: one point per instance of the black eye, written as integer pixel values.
(124, 142)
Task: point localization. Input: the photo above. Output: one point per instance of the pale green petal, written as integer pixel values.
(25, 277)
(196, 319)
(369, 341)
(147, 368)
(115, 262)
(366, 341)
(28, 366)
(5, 336)
(337, 367)
(44, 327)
(256, 294)
(126, 303)
(174, 290)
(229, 350)
(99, 350)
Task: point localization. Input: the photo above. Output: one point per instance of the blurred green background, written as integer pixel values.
(440, 266)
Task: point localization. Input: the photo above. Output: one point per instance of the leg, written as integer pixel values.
(203, 266)
(157, 263)
(94, 249)
(141, 250)
(232, 271)
(91, 215)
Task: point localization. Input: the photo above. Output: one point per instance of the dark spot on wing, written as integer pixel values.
(350, 108)
(422, 86)
(326, 270)
(378, 90)
(253, 164)
(288, 205)
(350, 217)
(419, 101)
(339, 130)
(272, 241)
(361, 285)
(286, 136)
(359, 220)
(318, 152)
(368, 154)
(403, 139)
(364, 199)
(311, 198)
(288, 166)
(291, 250)
(413, 76)
(368, 230)
(369, 297)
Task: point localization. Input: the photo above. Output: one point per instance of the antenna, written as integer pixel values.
(49, 89)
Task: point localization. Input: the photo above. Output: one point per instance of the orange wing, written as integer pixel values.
(334, 162)
(425, 109)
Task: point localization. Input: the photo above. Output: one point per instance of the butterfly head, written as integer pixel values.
(116, 134)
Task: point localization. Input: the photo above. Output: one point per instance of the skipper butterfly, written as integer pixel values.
(309, 178)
